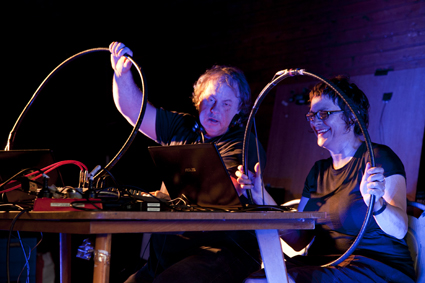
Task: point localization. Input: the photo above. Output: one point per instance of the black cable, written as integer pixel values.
(92, 202)
(380, 123)
(136, 127)
(281, 75)
(147, 245)
(125, 189)
(8, 243)
(266, 207)
(27, 257)
(145, 191)
(12, 133)
(108, 173)
(159, 257)
(259, 161)
(242, 248)
(17, 174)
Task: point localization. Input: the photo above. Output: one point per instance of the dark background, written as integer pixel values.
(74, 113)
(174, 42)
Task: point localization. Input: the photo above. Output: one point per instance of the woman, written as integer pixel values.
(341, 186)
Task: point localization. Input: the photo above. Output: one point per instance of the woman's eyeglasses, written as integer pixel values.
(322, 115)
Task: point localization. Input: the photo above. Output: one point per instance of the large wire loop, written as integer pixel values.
(281, 75)
(133, 133)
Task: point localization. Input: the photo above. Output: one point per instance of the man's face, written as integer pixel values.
(219, 103)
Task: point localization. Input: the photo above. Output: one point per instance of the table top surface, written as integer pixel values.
(101, 222)
(160, 215)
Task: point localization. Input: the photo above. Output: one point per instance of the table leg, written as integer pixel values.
(102, 254)
(65, 258)
(272, 256)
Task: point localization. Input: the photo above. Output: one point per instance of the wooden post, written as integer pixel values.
(272, 255)
(102, 255)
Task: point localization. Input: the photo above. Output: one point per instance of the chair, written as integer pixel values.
(415, 239)
(287, 249)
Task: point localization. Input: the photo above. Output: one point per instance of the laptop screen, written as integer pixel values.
(195, 172)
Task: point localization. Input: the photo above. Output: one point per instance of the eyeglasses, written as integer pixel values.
(322, 115)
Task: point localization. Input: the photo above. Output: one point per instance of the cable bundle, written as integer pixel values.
(38, 173)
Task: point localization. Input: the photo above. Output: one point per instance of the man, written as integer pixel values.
(222, 97)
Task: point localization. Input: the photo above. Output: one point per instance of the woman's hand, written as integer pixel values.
(253, 182)
(373, 183)
(393, 217)
(248, 182)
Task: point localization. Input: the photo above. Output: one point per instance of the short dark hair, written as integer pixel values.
(351, 91)
(232, 77)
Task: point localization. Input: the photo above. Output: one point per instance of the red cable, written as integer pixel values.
(47, 169)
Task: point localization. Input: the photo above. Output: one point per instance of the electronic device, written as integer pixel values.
(196, 173)
(13, 161)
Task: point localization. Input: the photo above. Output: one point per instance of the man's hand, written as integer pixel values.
(120, 64)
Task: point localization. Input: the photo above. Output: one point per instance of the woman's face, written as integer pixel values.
(331, 131)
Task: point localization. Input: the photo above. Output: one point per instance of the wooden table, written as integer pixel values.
(105, 223)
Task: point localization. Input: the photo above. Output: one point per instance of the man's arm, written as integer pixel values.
(127, 95)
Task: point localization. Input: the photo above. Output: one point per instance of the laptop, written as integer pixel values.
(195, 172)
